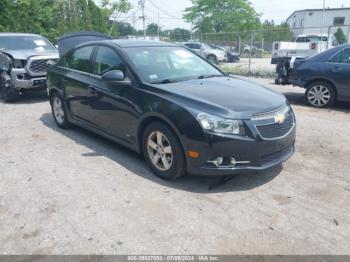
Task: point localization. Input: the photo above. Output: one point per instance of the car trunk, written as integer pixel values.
(71, 40)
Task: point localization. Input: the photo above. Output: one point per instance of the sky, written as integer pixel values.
(170, 11)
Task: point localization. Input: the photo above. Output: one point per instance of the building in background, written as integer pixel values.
(309, 21)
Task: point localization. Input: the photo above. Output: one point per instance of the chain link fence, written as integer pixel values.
(257, 44)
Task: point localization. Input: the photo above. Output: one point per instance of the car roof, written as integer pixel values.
(18, 34)
(125, 43)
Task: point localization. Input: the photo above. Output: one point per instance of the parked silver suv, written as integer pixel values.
(24, 61)
(212, 55)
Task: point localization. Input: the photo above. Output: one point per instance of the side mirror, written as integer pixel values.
(113, 76)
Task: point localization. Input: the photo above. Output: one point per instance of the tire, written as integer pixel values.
(212, 59)
(59, 111)
(7, 91)
(160, 143)
(320, 94)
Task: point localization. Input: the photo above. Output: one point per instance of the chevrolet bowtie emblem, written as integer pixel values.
(280, 118)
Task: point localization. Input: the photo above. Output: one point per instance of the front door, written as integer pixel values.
(112, 110)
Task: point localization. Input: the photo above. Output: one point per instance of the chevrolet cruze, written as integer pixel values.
(169, 104)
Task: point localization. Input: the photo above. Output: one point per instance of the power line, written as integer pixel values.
(163, 11)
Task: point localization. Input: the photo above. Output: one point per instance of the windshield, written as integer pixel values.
(169, 64)
(24, 42)
(207, 47)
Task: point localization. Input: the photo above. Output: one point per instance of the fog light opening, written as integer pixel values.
(233, 162)
(217, 161)
(20, 76)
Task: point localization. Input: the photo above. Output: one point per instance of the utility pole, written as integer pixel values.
(191, 31)
(323, 16)
(158, 28)
(142, 4)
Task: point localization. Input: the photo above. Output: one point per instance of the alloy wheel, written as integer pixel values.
(160, 151)
(58, 110)
(319, 95)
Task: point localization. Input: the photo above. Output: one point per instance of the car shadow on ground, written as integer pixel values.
(30, 97)
(135, 163)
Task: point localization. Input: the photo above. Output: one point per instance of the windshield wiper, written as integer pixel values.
(208, 76)
(165, 81)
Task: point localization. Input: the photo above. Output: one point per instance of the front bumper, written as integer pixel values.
(22, 80)
(251, 154)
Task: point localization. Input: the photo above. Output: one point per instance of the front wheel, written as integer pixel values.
(212, 59)
(7, 91)
(320, 94)
(59, 111)
(163, 151)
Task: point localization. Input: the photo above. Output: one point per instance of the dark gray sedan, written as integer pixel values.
(325, 76)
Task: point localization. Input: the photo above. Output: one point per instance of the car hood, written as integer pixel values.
(229, 97)
(25, 54)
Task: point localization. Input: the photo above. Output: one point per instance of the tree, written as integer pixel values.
(180, 34)
(152, 29)
(113, 9)
(222, 16)
(53, 18)
(125, 29)
(340, 36)
(272, 32)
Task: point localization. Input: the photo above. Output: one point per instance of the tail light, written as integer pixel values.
(276, 46)
(313, 46)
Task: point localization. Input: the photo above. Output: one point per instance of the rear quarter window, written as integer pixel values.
(79, 59)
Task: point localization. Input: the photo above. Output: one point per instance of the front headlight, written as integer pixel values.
(215, 124)
(17, 63)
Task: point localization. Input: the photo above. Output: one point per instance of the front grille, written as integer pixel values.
(41, 65)
(276, 156)
(271, 114)
(277, 130)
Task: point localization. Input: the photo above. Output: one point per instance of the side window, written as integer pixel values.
(79, 59)
(196, 46)
(189, 45)
(106, 60)
(343, 57)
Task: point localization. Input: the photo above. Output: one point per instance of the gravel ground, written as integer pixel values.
(70, 192)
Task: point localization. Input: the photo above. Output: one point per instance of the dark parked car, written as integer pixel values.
(325, 76)
(231, 56)
(181, 112)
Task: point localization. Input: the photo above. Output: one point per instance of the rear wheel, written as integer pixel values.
(59, 111)
(163, 151)
(320, 94)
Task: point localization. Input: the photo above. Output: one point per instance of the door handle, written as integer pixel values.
(337, 69)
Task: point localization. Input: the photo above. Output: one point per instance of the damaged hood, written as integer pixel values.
(25, 54)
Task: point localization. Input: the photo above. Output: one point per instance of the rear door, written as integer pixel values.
(76, 79)
(339, 71)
